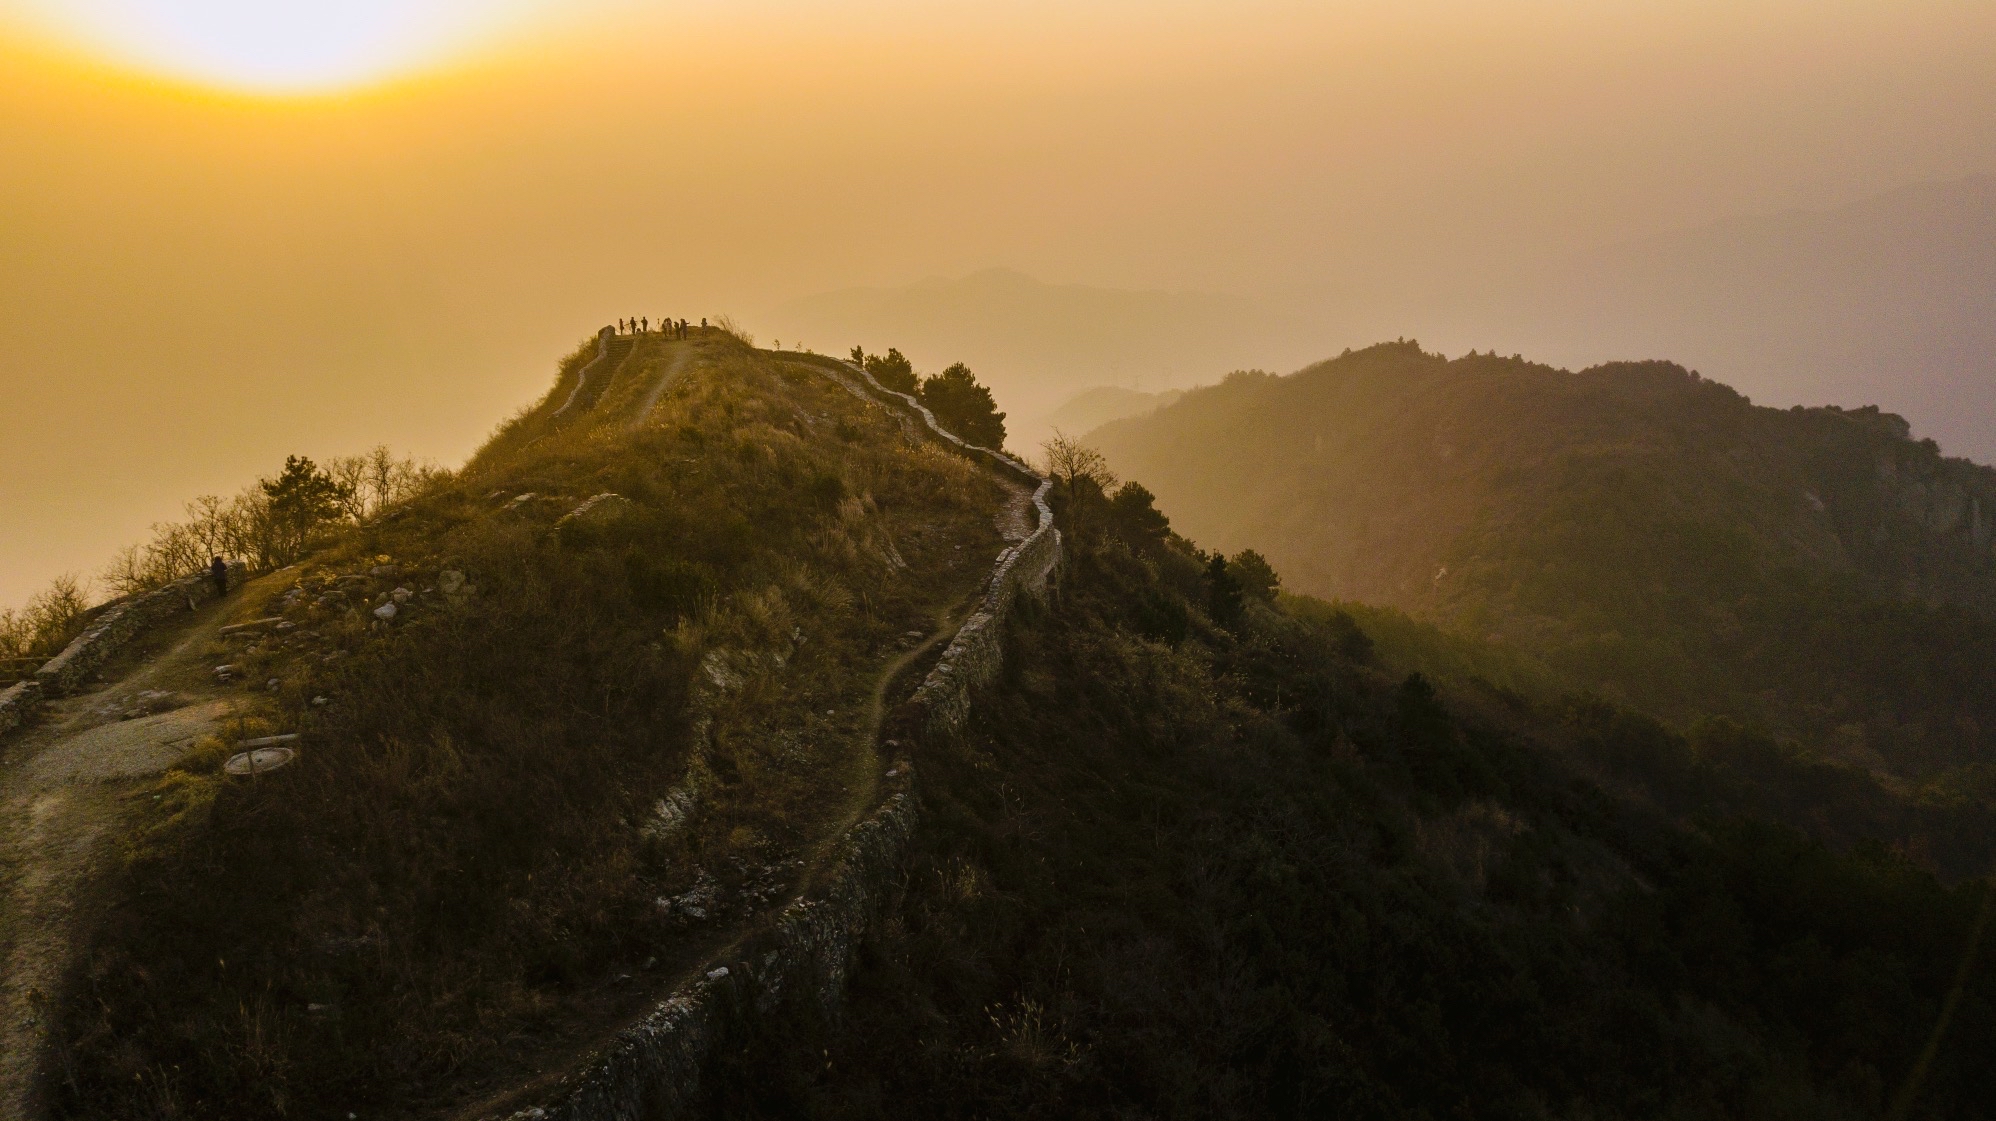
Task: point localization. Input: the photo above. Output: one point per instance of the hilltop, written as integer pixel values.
(573, 718)
(1637, 530)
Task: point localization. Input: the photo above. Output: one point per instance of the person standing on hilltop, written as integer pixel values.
(218, 570)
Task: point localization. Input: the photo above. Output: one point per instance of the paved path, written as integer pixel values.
(62, 790)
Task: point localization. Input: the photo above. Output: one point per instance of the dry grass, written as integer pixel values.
(502, 784)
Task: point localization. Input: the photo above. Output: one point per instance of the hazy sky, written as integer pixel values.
(226, 235)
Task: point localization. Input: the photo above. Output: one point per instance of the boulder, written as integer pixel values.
(386, 613)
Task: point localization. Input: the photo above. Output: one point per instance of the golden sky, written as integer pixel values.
(227, 234)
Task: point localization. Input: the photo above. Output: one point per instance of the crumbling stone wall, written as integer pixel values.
(113, 627)
(652, 1070)
(603, 338)
(18, 704)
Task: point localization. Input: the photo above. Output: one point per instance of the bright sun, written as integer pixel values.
(275, 46)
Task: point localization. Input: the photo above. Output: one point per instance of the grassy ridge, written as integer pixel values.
(460, 877)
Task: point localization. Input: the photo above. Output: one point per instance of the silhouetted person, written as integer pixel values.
(644, 324)
(620, 326)
(218, 570)
(703, 323)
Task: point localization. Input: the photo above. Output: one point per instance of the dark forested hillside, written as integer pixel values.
(1646, 533)
(1183, 868)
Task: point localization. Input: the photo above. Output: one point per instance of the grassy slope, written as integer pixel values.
(1235, 874)
(456, 883)
(1638, 530)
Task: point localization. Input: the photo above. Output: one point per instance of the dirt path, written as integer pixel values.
(63, 785)
(665, 380)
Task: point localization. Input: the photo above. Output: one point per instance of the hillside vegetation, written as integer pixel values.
(1637, 530)
(557, 746)
(1201, 858)
(578, 717)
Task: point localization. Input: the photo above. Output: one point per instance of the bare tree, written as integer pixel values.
(350, 475)
(46, 623)
(1067, 459)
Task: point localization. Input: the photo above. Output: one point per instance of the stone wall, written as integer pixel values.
(18, 704)
(115, 626)
(603, 338)
(652, 1070)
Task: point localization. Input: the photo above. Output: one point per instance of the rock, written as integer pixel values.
(385, 572)
(319, 701)
(600, 510)
(385, 613)
(226, 672)
(285, 627)
(400, 595)
(254, 625)
(520, 500)
(273, 684)
(263, 760)
(717, 974)
(715, 665)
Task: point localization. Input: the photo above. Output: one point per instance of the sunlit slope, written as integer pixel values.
(1648, 533)
(572, 721)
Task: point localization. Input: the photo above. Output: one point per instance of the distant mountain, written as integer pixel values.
(1096, 407)
(1037, 344)
(1891, 300)
(1648, 533)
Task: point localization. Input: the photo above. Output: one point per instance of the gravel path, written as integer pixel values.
(62, 790)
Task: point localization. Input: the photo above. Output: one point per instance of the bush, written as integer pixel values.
(964, 406)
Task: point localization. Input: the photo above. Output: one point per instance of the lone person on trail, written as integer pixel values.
(218, 569)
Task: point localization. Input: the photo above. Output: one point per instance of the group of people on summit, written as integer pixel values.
(670, 328)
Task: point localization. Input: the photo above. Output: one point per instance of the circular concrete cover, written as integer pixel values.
(261, 761)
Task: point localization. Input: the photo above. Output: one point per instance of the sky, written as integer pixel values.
(232, 230)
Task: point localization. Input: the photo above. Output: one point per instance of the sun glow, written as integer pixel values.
(274, 46)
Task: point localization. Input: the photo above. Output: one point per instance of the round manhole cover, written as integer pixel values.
(262, 761)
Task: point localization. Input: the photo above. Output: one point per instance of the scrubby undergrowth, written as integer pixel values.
(1186, 870)
(460, 877)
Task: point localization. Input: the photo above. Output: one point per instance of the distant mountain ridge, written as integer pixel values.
(1093, 408)
(1648, 532)
(1891, 299)
(1038, 344)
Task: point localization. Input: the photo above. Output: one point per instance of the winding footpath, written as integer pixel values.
(63, 785)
